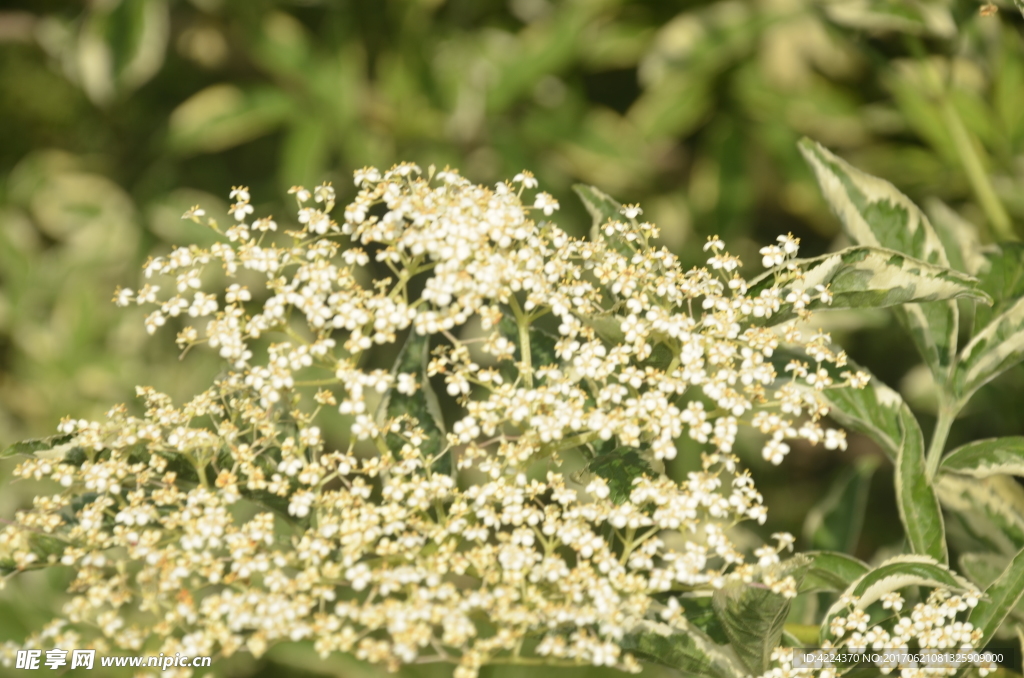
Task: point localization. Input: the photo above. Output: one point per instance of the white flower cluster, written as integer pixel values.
(232, 523)
(934, 625)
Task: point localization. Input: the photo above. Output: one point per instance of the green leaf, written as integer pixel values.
(866, 277)
(989, 457)
(985, 568)
(224, 116)
(422, 405)
(959, 239)
(690, 651)
(898, 16)
(754, 617)
(879, 412)
(305, 151)
(894, 574)
(834, 523)
(992, 351)
(991, 509)
(875, 213)
(602, 209)
(918, 504)
(36, 445)
(831, 571)
(876, 410)
(1001, 596)
(1001, 274)
(619, 467)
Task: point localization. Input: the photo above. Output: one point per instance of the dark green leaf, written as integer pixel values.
(754, 617)
(831, 571)
(619, 467)
(691, 652)
(36, 445)
(835, 522)
(422, 406)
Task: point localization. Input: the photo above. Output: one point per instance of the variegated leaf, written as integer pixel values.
(959, 237)
(875, 410)
(992, 351)
(831, 571)
(918, 504)
(892, 575)
(1001, 596)
(865, 277)
(879, 412)
(1001, 276)
(985, 568)
(992, 509)
(983, 458)
(874, 212)
(690, 651)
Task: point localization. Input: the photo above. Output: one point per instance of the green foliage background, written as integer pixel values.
(117, 115)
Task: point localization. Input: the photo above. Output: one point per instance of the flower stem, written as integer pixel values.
(523, 323)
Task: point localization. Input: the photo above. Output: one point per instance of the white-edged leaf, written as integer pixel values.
(831, 571)
(992, 351)
(874, 212)
(866, 277)
(1001, 276)
(985, 568)
(892, 575)
(879, 412)
(959, 237)
(1001, 596)
(991, 509)
(689, 651)
(875, 410)
(989, 457)
(918, 504)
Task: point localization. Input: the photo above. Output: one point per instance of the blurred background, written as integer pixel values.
(117, 115)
